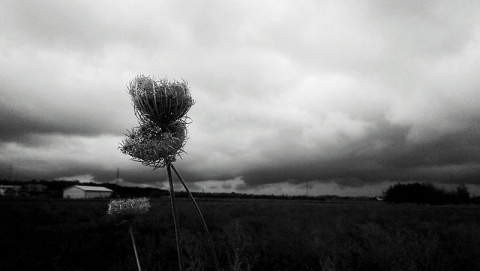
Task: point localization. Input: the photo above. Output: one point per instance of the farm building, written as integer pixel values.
(82, 192)
(9, 190)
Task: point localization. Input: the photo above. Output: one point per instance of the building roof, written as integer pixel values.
(9, 186)
(92, 188)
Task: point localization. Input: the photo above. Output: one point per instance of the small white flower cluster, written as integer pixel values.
(129, 207)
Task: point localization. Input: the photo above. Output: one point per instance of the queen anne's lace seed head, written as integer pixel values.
(161, 107)
(154, 146)
(128, 209)
(160, 100)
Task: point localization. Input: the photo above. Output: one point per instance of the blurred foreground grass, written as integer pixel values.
(248, 235)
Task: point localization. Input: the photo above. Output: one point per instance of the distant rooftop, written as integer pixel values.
(92, 188)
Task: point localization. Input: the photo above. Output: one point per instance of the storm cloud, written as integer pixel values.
(352, 94)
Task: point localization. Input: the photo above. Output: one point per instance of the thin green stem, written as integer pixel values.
(209, 237)
(175, 217)
(130, 229)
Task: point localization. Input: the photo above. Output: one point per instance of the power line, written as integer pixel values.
(118, 176)
(10, 170)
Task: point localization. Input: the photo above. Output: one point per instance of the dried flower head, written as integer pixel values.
(155, 146)
(128, 209)
(160, 100)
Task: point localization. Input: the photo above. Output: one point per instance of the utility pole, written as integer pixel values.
(116, 183)
(118, 175)
(10, 169)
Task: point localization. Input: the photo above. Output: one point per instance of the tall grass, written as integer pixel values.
(249, 235)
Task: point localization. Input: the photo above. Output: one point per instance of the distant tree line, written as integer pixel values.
(234, 195)
(54, 189)
(422, 193)
(426, 193)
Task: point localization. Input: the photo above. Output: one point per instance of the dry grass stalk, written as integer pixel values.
(127, 210)
(175, 218)
(200, 215)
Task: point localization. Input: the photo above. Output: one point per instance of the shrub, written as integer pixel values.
(425, 193)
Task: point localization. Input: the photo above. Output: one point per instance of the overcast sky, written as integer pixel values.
(333, 97)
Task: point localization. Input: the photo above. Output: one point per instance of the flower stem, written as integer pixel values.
(175, 217)
(209, 237)
(130, 229)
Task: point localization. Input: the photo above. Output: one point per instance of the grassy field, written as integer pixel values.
(248, 235)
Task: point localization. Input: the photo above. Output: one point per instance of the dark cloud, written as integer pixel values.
(384, 154)
(19, 125)
(426, 29)
(348, 95)
(227, 186)
(350, 182)
(54, 103)
(79, 28)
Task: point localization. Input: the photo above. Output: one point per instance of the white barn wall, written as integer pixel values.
(74, 193)
(81, 192)
(97, 194)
